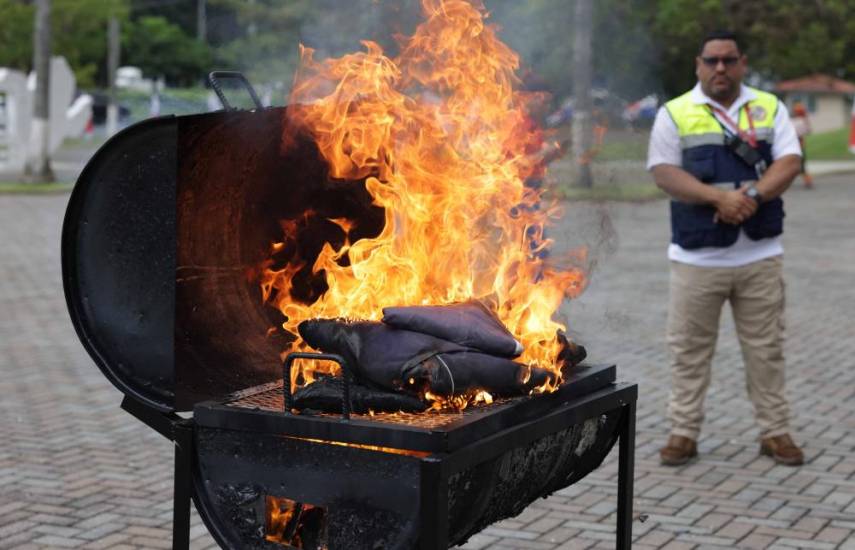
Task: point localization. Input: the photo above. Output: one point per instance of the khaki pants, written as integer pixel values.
(756, 295)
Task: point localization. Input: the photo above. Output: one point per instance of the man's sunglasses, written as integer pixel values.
(729, 61)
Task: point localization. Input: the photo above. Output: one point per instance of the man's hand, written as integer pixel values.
(734, 207)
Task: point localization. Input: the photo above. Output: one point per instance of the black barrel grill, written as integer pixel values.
(161, 235)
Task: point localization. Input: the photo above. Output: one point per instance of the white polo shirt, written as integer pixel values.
(665, 149)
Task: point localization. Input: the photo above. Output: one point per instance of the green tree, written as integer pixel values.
(162, 49)
(264, 36)
(263, 39)
(784, 38)
(16, 34)
(808, 37)
(80, 35)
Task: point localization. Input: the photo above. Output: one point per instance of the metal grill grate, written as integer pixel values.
(269, 398)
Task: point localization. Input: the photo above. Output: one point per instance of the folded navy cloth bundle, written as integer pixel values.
(469, 324)
(448, 350)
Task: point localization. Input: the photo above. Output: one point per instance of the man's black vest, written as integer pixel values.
(705, 156)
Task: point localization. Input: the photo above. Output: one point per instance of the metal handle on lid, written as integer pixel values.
(345, 382)
(214, 79)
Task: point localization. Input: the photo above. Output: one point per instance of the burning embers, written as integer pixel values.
(295, 524)
(443, 144)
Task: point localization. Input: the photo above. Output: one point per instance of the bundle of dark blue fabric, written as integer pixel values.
(447, 350)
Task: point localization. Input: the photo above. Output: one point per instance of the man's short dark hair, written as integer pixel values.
(723, 35)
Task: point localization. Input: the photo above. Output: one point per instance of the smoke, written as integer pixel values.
(541, 31)
(584, 226)
(262, 37)
(338, 28)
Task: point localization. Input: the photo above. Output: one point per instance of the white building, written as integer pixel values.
(828, 99)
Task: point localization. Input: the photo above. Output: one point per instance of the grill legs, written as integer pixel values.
(183, 487)
(434, 506)
(434, 483)
(626, 469)
(434, 477)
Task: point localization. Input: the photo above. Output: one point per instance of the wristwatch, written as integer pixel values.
(754, 193)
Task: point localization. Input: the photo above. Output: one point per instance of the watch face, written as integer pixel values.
(753, 193)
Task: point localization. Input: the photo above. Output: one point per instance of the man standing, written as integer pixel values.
(725, 153)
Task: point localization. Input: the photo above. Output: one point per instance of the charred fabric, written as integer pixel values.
(160, 231)
(448, 351)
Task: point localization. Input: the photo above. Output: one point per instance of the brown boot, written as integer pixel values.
(679, 450)
(782, 450)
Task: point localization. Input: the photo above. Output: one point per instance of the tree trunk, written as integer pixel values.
(201, 21)
(40, 169)
(583, 136)
(113, 51)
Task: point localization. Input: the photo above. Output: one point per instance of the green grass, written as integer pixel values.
(626, 192)
(833, 145)
(624, 146)
(83, 142)
(13, 187)
(619, 144)
(178, 101)
(616, 180)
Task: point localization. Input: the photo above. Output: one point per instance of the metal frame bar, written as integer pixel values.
(214, 79)
(344, 378)
(182, 486)
(437, 468)
(434, 504)
(457, 434)
(626, 475)
(180, 432)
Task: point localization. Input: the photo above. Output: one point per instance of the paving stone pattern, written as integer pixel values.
(77, 472)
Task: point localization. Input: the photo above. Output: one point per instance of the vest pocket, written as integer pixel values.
(768, 221)
(693, 217)
(692, 226)
(699, 163)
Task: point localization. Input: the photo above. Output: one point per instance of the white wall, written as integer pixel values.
(15, 118)
(68, 116)
(831, 113)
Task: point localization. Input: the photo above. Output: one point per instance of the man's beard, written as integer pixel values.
(722, 93)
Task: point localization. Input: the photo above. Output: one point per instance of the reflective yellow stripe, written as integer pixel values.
(695, 140)
(717, 138)
(696, 126)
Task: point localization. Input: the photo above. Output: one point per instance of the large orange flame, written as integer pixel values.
(444, 145)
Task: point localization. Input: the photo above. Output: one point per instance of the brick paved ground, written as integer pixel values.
(75, 471)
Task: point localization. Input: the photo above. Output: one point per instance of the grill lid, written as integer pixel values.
(118, 260)
(162, 231)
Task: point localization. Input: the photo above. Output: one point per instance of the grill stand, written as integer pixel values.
(626, 474)
(183, 487)
(180, 432)
(435, 510)
(437, 468)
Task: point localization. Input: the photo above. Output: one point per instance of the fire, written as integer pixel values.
(442, 141)
(457, 402)
(295, 524)
(376, 448)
